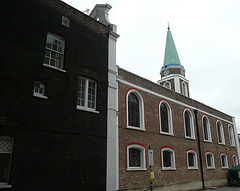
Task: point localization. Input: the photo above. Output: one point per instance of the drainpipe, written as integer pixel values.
(199, 148)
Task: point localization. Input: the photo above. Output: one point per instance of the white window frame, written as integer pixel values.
(60, 68)
(173, 164)
(208, 129)
(6, 184)
(167, 83)
(36, 93)
(195, 159)
(231, 136)
(235, 160)
(85, 107)
(226, 160)
(222, 132)
(142, 155)
(170, 123)
(192, 128)
(212, 159)
(141, 110)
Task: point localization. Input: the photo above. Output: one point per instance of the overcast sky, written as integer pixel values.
(206, 35)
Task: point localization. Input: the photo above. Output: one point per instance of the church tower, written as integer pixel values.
(172, 72)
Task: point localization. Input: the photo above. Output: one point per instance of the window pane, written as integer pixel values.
(205, 128)
(167, 159)
(134, 157)
(191, 160)
(235, 162)
(6, 145)
(91, 94)
(133, 110)
(4, 166)
(232, 140)
(223, 158)
(81, 92)
(187, 124)
(209, 160)
(219, 129)
(164, 118)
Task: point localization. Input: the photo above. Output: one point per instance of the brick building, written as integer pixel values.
(56, 81)
(193, 144)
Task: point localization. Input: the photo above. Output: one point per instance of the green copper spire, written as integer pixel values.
(171, 56)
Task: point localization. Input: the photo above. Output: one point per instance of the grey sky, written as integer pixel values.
(206, 35)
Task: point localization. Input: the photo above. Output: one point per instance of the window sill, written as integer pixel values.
(55, 68)
(208, 141)
(169, 134)
(221, 143)
(192, 138)
(170, 168)
(136, 169)
(233, 145)
(40, 96)
(210, 168)
(225, 168)
(86, 109)
(135, 128)
(5, 185)
(192, 168)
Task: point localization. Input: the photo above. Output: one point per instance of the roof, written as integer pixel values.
(171, 56)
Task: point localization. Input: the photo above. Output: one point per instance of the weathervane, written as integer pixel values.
(168, 26)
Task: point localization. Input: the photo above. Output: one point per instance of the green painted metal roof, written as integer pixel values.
(171, 55)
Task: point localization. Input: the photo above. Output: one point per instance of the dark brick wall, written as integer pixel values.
(151, 137)
(56, 147)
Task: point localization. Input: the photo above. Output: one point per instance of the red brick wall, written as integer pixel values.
(152, 137)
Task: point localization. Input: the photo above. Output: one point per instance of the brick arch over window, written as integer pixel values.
(191, 158)
(223, 160)
(209, 158)
(167, 157)
(165, 117)
(134, 109)
(135, 156)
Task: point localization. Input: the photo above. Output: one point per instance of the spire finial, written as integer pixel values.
(168, 26)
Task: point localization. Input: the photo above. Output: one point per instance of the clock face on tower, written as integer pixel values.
(166, 72)
(182, 72)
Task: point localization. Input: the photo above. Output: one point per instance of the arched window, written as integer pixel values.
(210, 160)
(188, 124)
(168, 158)
(224, 161)
(165, 118)
(231, 135)
(167, 85)
(235, 160)
(135, 110)
(220, 133)
(206, 129)
(136, 156)
(6, 147)
(192, 159)
(184, 89)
